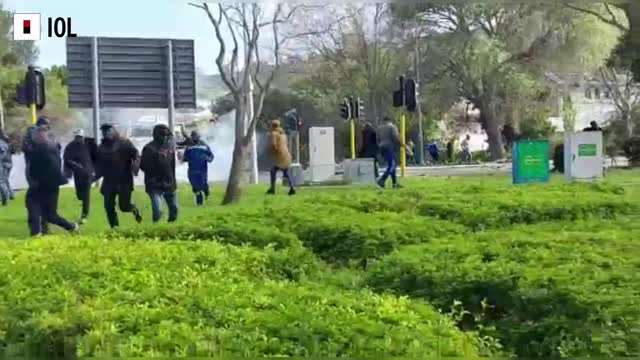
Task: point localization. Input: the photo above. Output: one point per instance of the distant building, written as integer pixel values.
(590, 95)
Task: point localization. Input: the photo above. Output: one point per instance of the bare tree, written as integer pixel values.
(625, 95)
(247, 22)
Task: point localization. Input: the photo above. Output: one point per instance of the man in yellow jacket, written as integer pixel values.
(280, 157)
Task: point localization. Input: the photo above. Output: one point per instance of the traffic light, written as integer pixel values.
(410, 95)
(31, 91)
(398, 95)
(357, 107)
(345, 109)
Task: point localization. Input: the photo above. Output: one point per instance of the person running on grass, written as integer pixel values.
(280, 157)
(78, 163)
(45, 178)
(389, 142)
(159, 166)
(117, 162)
(198, 156)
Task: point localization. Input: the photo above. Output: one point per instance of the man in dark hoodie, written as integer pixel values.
(44, 169)
(38, 131)
(117, 162)
(159, 166)
(79, 163)
(198, 156)
(369, 147)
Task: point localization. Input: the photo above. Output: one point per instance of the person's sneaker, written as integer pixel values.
(75, 230)
(380, 183)
(271, 192)
(292, 191)
(397, 186)
(137, 215)
(83, 220)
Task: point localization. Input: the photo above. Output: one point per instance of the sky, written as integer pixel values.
(123, 18)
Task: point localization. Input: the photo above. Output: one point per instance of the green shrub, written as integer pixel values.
(342, 235)
(631, 150)
(87, 297)
(548, 293)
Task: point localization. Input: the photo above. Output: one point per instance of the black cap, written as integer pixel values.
(104, 127)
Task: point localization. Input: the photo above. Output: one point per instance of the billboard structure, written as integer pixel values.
(106, 72)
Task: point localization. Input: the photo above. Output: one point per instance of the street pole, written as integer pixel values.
(419, 108)
(353, 138)
(96, 91)
(171, 109)
(403, 145)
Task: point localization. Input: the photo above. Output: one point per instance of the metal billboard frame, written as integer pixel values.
(106, 72)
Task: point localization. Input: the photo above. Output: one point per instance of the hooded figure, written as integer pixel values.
(117, 162)
(78, 163)
(5, 170)
(369, 148)
(280, 157)
(389, 142)
(159, 166)
(45, 176)
(198, 156)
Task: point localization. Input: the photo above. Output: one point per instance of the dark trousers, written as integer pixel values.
(83, 193)
(390, 158)
(285, 174)
(200, 186)
(172, 203)
(42, 208)
(124, 202)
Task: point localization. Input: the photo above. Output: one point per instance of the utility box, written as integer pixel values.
(530, 161)
(322, 165)
(359, 171)
(583, 158)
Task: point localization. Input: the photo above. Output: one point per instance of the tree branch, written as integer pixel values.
(613, 22)
(222, 51)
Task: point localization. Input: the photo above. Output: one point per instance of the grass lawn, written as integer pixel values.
(465, 267)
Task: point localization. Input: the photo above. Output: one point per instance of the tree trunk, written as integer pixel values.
(490, 124)
(238, 169)
(239, 160)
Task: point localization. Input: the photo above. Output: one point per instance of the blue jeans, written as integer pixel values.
(156, 202)
(389, 155)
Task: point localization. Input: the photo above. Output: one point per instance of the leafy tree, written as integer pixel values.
(569, 113)
(495, 55)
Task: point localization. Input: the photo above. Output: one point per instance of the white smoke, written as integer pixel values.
(220, 136)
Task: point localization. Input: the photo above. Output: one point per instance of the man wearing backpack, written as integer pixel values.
(280, 157)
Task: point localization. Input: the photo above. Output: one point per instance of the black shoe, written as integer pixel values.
(380, 183)
(271, 192)
(397, 186)
(292, 191)
(137, 215)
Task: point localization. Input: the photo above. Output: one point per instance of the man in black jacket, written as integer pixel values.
(159, 166)
(117, 162)
(369, 147)
(44, 167)
(79, 163)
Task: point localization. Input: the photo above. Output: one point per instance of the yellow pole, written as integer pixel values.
(403, 150)
(34, 116)
(353, 139)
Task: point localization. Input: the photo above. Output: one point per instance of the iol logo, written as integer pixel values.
(26, 26)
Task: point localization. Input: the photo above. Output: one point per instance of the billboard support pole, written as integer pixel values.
(96, 90)
(171, 109)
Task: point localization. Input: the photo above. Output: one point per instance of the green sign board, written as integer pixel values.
(587, 150)
(531, 161)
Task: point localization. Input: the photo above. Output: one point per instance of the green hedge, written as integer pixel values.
(87, 297)
(549, 293)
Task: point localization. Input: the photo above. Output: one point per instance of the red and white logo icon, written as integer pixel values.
(26, 26)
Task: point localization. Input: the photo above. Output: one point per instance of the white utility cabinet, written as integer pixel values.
(322, 163)
(583, 158)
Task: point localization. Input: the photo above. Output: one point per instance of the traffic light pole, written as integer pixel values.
(352, 123)
(403, 142)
